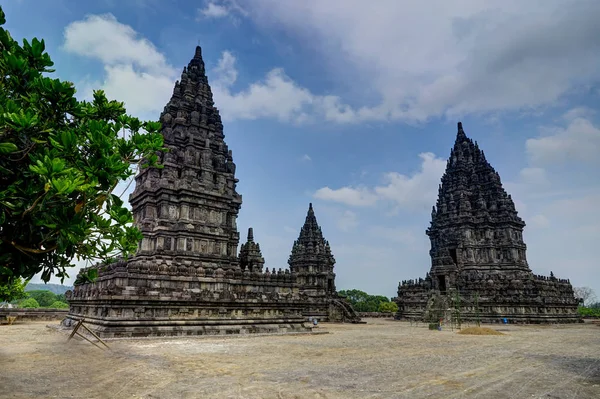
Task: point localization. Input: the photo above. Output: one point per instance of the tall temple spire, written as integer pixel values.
(460, 135)
(198, 53)
(311, 231)
(201, 228)
(472, 203)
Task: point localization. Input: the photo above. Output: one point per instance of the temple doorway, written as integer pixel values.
(453, 255)
(442, 284)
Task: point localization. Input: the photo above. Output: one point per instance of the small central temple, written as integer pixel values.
(187, 277)
(478, 258)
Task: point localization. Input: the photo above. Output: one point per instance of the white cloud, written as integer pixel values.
(360, 196)
(396, 235)
(225, 72)
(347, 221)
(533, 176)
(539, 221)
(135, 71)
(578, 112)
(104, 38)
(576, 211)
(276, 96)
(214, 10)
(467, 57)
(306, 158)
(417, 191)
(578, 141)
(141, 92)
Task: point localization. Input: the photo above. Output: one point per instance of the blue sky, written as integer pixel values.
(354, 108)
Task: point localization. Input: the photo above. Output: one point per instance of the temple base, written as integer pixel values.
(106, 328)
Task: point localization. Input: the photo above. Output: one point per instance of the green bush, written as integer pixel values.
(59, 305)
(29, 303)
(44, 297)
(588, 312)
(388, 307)
(363, 302)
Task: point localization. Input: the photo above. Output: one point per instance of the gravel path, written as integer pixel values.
(382, 359)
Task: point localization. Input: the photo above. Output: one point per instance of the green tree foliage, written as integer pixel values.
(363, 302)
(60, 161)
(388, 307)
(589, 311)
(44, 297)
(29, 303)
(13, 291)
(59, 305)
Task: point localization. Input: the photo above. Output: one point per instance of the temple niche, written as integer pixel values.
(478, 256)
(187, 278)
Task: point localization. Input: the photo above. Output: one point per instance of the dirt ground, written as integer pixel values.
(382, 359)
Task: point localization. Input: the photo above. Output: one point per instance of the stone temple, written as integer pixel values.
(187, 278)
(312, 262)
(478, 258)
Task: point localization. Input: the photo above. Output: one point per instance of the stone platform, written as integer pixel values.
(123, 303)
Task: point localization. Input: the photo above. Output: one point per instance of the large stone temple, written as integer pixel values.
(478, 258)
(187, 278)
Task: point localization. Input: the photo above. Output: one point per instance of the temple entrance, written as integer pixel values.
(329, 285)
(453, 255)
(442, 284)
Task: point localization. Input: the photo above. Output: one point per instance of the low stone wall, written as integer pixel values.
(376, 314)
(32, 314)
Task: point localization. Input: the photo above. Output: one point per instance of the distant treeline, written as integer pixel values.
(55, 288)
(363, 302)
(592, 310)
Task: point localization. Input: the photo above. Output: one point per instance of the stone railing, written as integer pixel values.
(376, 314)
(33, 314)
(281, 276)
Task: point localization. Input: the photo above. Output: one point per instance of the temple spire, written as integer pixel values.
(311, 256)
(199, 162)
(251, 258)
(460, 135)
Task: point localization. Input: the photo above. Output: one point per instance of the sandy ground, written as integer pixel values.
(382, 359)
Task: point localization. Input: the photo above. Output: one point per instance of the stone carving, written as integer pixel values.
(477, 250)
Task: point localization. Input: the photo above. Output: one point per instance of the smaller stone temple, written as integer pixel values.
(251, 258)
(311, 261)
(479, 265)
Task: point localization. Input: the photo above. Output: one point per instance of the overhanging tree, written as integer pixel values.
(60, 161)
(13, 291)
